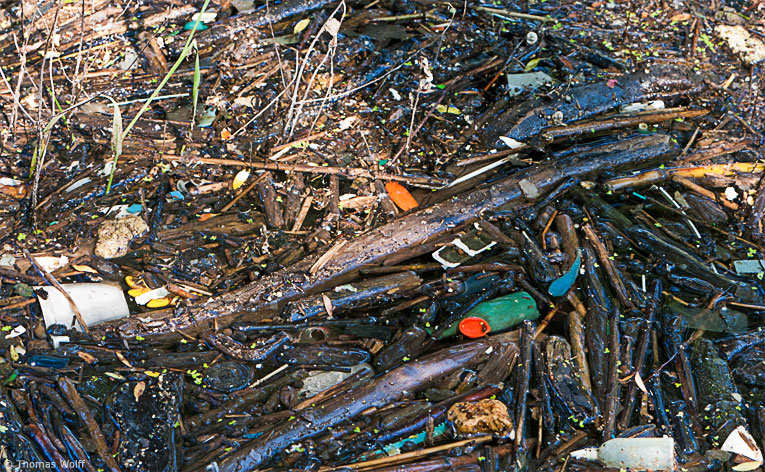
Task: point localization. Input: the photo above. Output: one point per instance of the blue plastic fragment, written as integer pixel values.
(134, 208)
(176, 195)
(419, 438)
(190, 25)
(48, 361)
(563, 284)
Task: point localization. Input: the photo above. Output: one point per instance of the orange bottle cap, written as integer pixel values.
(474, 327)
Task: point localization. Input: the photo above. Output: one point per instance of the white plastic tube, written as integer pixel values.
(96, 302)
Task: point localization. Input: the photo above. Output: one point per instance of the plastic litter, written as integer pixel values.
(96, 302)
(652, 454)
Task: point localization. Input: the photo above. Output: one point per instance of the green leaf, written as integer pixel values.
(117, 139)
(184, 53)
(533, 63)
(195, 89)
(301, 25)
(448, 109)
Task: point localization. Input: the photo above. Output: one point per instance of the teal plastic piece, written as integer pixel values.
(190, 26)
(395, 448)
(501, 313)
(563, 284)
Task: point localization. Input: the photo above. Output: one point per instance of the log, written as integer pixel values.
(530, 118)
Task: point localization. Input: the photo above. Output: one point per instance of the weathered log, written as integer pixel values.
(381, 391)
(270, 294)
(229, 28)
(528, 119)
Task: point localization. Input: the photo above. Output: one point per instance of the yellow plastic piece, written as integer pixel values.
(159, 302)
(138, 291)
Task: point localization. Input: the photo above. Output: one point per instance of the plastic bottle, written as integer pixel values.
(633, 453)
(499, 314)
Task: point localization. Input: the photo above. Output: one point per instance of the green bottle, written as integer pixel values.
(499, 314)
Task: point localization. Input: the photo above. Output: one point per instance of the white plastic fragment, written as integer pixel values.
(347, 122)
(470, 252)
(59, 340)
(78, 184)
(96, 303)
(346, 288)
(118, 211)
(206, 17)
(731, 194)
(749, 266)
(637, 107)
(640, 383)
(444, 263)
(511, 143)
(16, 332)
(240, 178)
(319, 381)
(7, 260)
(243, 5)
(481, 170)
(741, 443)
(10, 182)
(517, 83)
(107, 169)
(529, 189)
(146, 297)
(51, 263)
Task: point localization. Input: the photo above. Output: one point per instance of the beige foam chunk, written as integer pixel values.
(748, 47)
(485, 416)
(115, 235)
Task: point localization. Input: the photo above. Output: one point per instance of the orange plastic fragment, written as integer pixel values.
(15, 191)
(400, 196)
(207, 216)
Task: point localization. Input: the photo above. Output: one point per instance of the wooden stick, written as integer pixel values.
(694, 187)
(26, 302)
(52, 280)
(242, 193)
(302, 140)
(409, 455)
(327, 256)
(488, 157)
(353, 172)
(608, 266)
(620, 121)
(303, 212)
(512, 14)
